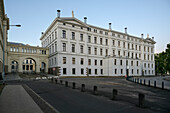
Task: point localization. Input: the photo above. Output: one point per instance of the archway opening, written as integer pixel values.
(43, 67)
(29, 66)
(14, 66)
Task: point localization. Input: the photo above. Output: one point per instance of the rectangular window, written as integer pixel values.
(95, 51)
(113, 52)
(64, 71)
(89, 70)
(101, 62)
(81, 37)
(64, 46)
(81, 61)
(119, 43)
(115, 61)
(95, 71)
(121, 71)
(101, 71)
(115, 71)
(89, 39)
(81, 48)
(101, 41)
(89, 50)
(64, 60)
(106, 52)
(119, 53)
(73, 48)
(89, 61)
(137, 71)
(132, 71)
(124, 45)
(106, 41)
(73, 71)
(121, 62)
(113, 42)
(131, 63)
(73, 35)
(64, 33)
(137, 64)
(82, 71)
(101, 51)
(73, 61)
(95, 40)
(95, 62)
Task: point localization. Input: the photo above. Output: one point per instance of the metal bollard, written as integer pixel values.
(74, 85)
(56, 81)
(144, 82)
(162, 85)
(114, 94)
(149, 83)
(61, 81)
(141, 99)
(66, 83)
(154, 84)
(83, 88)
(95, 90)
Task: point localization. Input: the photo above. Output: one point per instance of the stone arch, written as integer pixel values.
(14, 66)
(29, 65)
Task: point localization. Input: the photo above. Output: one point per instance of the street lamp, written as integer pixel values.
(3, 71)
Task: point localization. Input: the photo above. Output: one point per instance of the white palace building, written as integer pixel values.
(79, 49)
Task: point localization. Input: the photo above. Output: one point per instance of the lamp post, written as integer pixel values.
(3, 71)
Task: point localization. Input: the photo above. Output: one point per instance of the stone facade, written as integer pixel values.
(79, 49)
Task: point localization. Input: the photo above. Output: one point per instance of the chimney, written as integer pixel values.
(85, 20)
(58, 13)
(152, 38)
(110, 26)
(126, 30)
(141, 35)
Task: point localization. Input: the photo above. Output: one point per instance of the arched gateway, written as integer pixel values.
(27, 59)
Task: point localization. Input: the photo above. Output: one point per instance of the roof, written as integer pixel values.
(16, 43)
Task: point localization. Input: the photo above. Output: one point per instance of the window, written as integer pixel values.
(148, 65)
(126, 62)
(121, 62)
(64, 23)
(137, 64)
(148, 57)
(119, 53)
(106, 52)
(73, 26)
(131, 63)
(82, 71)
(119, 43)
(137, 71)
(73, 48)
(89, 61)
(128, 45)
(81, 61)
(95, 71)
(95, 62)
(121, 71)
(95, 40)
(95, 51)
(81, 37)
(64, 34)
(136, 47)
(81, 48)
(115, 61)
(73, 71)
(139, 48)
(101, 62)
(132, 47)
(113, 42)
(89, 70)
(73, 35)
(101, 41)
(145, 65)
(55, 60)
(89, 50)
(89, 39)
(106, 41)
(64, 60)
(101, 71)
(64, 46)
(115, 71)
(132, 71)
(73, 61)
(124, 45)
(64, 71)
(113, 52)
(101, 51)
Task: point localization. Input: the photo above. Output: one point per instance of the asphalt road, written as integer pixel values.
(67, 100)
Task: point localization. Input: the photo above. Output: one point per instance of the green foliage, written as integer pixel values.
(162, 61)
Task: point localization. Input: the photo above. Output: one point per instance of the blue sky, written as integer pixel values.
(139, 16)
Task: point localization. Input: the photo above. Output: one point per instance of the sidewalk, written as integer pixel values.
(14, 99)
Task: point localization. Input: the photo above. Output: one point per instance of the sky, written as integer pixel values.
(139, 16)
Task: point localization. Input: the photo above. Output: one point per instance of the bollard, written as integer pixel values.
(154, 84)
(56, 81)
(74, 85)
(82, 87)
(149, 83)
(114, 94)
(141, 99)
(61, 81)
(95, 90)
(66, 83)
(140, 81)
(144, 82)
(162, 85)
